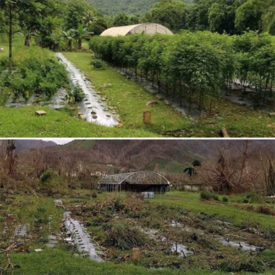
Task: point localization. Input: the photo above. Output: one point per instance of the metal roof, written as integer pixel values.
(140, 177)
(147, 28)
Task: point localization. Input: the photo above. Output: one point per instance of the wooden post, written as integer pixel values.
(147, 117)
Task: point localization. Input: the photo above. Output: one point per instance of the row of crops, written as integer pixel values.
(195, 67)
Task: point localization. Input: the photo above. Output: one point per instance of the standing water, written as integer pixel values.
(80, 238)
(93, 108)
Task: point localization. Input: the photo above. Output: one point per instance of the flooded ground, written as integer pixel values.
(78, 237)
(93, 108)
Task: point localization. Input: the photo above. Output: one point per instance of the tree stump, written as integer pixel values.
(136, 254)
(147, 117)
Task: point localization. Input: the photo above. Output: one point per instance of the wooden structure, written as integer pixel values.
(146, 28)
(141, 181)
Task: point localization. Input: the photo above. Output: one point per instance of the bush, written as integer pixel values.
(225, 199)
(98, 64)
(36, 71)
(94, 195)
(122, 235)
(77, 94)
(51, 184)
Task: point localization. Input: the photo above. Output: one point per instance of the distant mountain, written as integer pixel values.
(166, 155)
(113, 7)
(23, 145)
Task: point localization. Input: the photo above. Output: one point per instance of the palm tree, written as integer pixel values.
(69, 36)
(80, 33)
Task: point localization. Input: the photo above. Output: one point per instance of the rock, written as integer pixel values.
(1, 50)
(38, 250)
(40, 113)
(151, 103)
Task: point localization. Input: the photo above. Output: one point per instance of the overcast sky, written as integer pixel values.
(59, 140)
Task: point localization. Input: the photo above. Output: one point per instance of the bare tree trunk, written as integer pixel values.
(10, 36)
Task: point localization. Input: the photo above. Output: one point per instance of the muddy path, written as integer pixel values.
(93, 108)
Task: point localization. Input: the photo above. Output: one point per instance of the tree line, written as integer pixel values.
(195, 67)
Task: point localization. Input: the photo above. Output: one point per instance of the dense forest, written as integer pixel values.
(114, 7)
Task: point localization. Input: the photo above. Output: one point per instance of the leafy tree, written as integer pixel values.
(69, 36)
(170, 13)
(249, 15)
(78, 13)
(221, 17)
(80, 33)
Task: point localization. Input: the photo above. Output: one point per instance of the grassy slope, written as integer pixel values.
(130, 100)
(191, 201)
(22, 122)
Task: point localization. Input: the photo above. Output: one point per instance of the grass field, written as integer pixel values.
(192, 202)
(22, 122)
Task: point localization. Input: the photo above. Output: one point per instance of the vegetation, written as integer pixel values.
(22, 122)
(37, 71)
(195, 67)
(240, 120)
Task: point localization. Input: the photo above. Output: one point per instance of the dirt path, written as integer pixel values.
(93, 107)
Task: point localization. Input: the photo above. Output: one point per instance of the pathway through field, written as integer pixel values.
(93, 107)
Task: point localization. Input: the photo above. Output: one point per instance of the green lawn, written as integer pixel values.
(59, 262)
(22, 122)
(192, 202)
(130, 99)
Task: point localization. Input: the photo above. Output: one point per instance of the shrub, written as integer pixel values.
(36, 71)
(225, 199)
(98, 64)
(51, 184)
(78, 94)
(122, 235)
(94, 195)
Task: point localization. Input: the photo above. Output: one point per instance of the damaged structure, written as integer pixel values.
(146, 28)
(141, 181)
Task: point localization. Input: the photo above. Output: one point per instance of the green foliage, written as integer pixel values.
(98, 64)
(199, 64)
(77, 94)
(36, 71)
(115, 7)
(52, 184)
(170, 13)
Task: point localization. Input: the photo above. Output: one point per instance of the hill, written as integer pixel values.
(167, 156)
(113, 7)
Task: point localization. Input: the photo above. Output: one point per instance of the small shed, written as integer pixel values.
(146, 28)
(141, 181)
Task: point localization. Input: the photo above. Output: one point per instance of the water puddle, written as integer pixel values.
(241, 245)
(181, 250)
(78, 237)
(21, 230)
(93, 108)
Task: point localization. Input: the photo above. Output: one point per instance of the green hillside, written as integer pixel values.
(113, 7)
